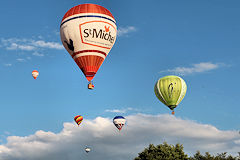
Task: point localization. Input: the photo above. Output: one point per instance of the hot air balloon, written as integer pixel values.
(119, 122)
(87, 149)
(78, 119)
(88, 32)
(35, 74)
(170, 90)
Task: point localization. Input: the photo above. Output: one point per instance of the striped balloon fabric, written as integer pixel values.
(35, 74)
(78, 119)
(119, 122)
(88, 32)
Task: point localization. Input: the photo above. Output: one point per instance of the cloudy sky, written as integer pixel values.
(107, 143)
(197, 40)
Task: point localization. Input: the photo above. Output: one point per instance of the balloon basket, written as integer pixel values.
(90, 86)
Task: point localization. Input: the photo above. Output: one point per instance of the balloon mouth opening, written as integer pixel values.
(90, 75)
(172, 106)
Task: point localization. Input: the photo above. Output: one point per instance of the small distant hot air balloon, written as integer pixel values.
(119, 122)
(35, 74)
(170, 90)
(87, 149)
(78, 119)
(88, 32)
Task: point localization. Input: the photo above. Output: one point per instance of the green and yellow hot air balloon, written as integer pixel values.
(170, 90)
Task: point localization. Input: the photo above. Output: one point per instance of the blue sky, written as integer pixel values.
(197, 40)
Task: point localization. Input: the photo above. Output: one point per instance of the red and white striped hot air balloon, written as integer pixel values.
(35, 74)
(88, 32)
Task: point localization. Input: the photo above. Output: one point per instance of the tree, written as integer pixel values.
(170, 152)
(208, 156)
(162, 152)
(198, 156)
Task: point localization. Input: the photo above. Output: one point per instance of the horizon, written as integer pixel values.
(198, 41)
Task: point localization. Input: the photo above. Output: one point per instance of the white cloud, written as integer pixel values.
(15, 46)
(21, 60)
(115, 110)
(107, 143)
(125, 30)
(43, 44)
(28, 44)
(38, 54)
(8, 64)
(195, 68)
(120, 110)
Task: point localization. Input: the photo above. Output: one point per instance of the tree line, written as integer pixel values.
(166, 151)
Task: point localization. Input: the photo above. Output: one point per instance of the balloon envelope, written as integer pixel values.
(119, 122)
(170, 90)
(78, 119)
(87, 149)
(35, 74)
(88, 32)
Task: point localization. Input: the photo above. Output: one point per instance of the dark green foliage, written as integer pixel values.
(207, 156)
(170, 152)
(163, 152)
(198, 156)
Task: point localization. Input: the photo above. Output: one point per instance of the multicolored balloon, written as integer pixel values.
(88, 32)
(170, 90)
(119, 122)
(35, 74)
(78, 119)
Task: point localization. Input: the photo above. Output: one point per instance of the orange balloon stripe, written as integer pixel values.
(76, 117)
(87, 8)
(78, 122)
(89, 65)
(79, 119)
